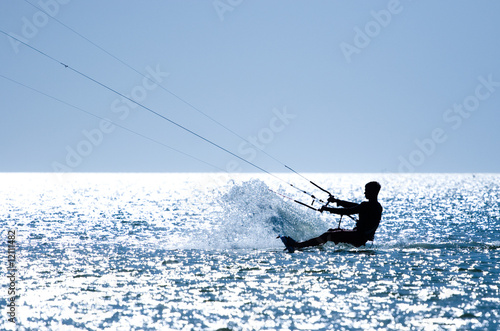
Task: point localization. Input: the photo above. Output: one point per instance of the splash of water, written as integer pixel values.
(251, 216)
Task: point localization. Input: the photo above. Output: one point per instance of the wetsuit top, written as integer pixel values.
(370, 213)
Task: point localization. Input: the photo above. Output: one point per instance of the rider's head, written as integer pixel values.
(371, 190)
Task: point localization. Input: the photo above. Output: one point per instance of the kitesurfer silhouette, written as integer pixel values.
(370, 213)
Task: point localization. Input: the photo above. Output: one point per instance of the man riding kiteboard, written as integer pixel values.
(370, 213)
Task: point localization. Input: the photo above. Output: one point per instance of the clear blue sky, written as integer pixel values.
(322, 86)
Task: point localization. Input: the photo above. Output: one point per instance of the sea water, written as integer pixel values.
(199, 252)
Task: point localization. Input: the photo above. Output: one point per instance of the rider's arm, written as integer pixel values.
(345, 204)
(342, 211)
(342, 203)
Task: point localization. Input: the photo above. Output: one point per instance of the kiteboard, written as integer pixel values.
(288, 242)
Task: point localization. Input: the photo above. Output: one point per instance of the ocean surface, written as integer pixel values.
(199, 252)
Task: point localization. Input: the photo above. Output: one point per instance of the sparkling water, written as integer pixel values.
(199, 252)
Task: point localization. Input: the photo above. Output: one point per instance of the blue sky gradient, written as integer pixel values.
(321, 86)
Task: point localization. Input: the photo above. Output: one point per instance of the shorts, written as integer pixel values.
(352, 237)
